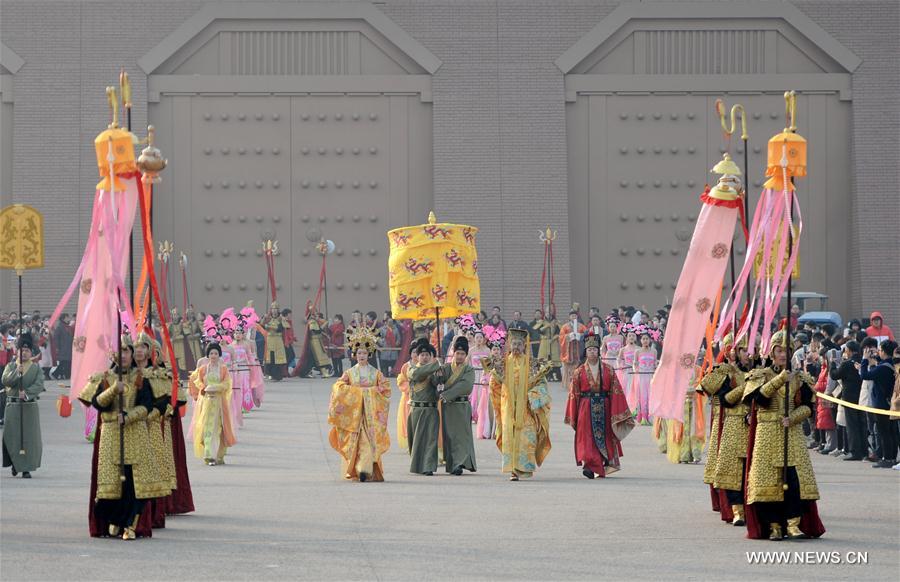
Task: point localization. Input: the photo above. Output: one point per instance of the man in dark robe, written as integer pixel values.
(423, 426)
(456, 428)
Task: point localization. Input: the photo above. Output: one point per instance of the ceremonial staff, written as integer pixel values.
(125, 88)
(120, 388)
(745, 138)
(790, 99)
(547, 237)
(21, 248)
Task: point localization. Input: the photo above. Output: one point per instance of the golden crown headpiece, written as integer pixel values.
(362, 337)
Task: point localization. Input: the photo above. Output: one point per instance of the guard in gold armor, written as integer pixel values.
(313, 354)
(183, 354)
(192, 333)
(123, 484)
(158, 426)
(724, 471)
(780, 502)
(275, 357)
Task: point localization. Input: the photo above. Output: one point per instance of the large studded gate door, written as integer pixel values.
(642, 135)
(294, 169)
(291, 122)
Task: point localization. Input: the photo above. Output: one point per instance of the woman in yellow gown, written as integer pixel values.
(358, 412)
(210, 386)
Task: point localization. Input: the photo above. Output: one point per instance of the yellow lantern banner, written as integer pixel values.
(21, 238)
(433, 267)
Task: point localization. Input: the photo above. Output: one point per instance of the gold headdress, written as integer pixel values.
(727, 343)
(361, 337)
(143, 338)
(779, 339)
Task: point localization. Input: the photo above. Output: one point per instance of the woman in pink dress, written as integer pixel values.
(625, 364)
(242, 361)
(612, 343)
(645, 363)
(480, 397)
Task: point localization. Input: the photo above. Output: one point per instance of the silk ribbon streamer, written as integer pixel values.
(769, 233)
(148, 251)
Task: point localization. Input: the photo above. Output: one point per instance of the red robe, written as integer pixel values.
(718, 496)
(406, 332)
(181, 500)
(599, 413)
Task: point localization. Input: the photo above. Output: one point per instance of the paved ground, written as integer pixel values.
(279, 510)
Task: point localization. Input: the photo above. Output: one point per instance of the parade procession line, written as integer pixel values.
(279, 510)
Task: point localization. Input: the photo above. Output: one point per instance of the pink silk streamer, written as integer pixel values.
(695, 296)
(101, 280)
(769, 233)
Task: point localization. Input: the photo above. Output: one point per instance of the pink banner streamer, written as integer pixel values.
(695, 297)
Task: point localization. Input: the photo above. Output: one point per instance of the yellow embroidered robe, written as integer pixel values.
(522, 406)
(358, 415)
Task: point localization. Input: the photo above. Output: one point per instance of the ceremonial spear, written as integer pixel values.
(120, 389)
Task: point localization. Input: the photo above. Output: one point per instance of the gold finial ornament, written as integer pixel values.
(151, 162)
(113, 107)
(790, 111)
(432, 219)
(270, 247)
(729, 185)
(726, 166)
(125, 88)
(21, 238)
(548, 236)
(735, 109)
(166, 249)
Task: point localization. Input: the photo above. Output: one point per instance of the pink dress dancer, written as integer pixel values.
(481, 396)
(241, 375)
(230, 360)
(612, 351)
(625, 372)
(646, 364)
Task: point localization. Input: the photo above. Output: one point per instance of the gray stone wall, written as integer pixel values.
(499, 126)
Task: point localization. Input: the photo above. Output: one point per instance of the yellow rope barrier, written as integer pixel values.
(824, 396)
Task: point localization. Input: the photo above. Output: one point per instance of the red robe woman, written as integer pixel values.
(599, 413)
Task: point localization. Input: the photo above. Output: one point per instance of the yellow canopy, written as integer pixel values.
(433, 266)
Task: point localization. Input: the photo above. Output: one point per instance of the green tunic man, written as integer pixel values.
(23, 382)
(423, 424)
(459, 448)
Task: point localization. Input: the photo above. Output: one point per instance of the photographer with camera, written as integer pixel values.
(878, 366)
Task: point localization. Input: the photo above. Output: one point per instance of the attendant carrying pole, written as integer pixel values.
(21, 374)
